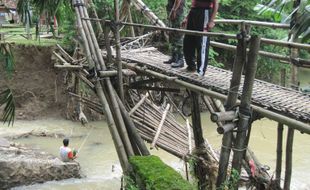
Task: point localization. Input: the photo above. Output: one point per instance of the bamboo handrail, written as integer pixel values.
(254, 23)
(296, 61)
(210, 34)
(168, 29)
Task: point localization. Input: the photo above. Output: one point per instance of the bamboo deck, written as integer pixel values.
(284, 101)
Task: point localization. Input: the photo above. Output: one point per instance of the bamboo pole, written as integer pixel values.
(148, 13)
(132, 129)
(96, 52)
(245, 110)
(279, 154)
(200, 171)
(107, 43)
(189, 132)
(210, 34)
(93, 9)
(113, 103)
(296, 61)
(167, 29)
(121, 152)
(255, 23)
(118, 53)
(289, 159)
(138, 104)
(160, 126)
(83, 35)
(230, 103)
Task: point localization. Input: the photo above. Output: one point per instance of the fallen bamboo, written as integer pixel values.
(160, 126)
(138, 104)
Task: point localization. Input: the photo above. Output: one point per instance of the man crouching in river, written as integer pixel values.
(66, 154)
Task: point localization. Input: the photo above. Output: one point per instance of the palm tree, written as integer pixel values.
(7, 100)
(6, 96)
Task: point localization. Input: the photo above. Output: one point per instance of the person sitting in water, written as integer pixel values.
(66, 154)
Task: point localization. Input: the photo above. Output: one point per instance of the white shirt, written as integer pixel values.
(64, 153)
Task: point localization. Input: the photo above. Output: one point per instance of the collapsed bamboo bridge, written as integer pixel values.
(120, 75)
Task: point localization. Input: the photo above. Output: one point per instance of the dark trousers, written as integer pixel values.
(198, 19)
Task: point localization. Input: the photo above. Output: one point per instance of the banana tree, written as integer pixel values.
(298, 18)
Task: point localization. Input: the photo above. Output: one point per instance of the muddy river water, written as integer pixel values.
(100, 164)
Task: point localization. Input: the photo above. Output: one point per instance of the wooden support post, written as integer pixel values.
(279, 154)
(245, 110)
(289, 159)
(230, 103)
(118, 53)
(200, 171)
(161, 124)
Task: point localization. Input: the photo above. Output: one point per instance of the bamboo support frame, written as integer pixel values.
(245, 110)
(118, 53)
(230, 103)
(279, 154)
(292, 123)
(289, 159)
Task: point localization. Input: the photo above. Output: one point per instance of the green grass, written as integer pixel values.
(13, 35)
(156, 175)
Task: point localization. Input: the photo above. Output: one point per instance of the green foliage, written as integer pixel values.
(232, 182)
(156, 175)
(7, 57)
(130, 183)
(6, 98)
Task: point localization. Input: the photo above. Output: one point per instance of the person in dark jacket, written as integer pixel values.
(200, 18)
(175, 12)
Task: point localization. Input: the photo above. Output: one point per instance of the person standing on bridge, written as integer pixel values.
(200, 18)
(175, 12)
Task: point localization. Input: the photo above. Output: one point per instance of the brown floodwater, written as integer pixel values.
(99, 162)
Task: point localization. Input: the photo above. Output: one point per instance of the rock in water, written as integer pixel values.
(25, 166)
